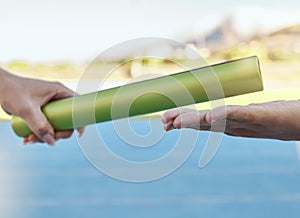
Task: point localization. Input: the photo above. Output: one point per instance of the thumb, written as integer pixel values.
(40, 126)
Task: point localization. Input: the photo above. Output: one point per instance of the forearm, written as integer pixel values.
(3, 80)
(6, 79)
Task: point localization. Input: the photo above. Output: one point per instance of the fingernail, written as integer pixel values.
(48, 139)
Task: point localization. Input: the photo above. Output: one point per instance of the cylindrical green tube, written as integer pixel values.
(232, 78)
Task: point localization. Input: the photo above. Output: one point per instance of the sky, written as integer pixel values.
(51, 30)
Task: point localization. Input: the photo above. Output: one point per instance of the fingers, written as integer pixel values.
(55, 91)
(43, 131)
(63, 134)
(169, 116)
(194, 119)
(38, 123)
(204, 116)
(185, 118)
(266, 120)
(26, 97)
(62, 92)
(32, 138)
(218, 120)
(169, 126)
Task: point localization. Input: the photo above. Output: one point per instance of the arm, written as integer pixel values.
(24, 97)
(276, 120)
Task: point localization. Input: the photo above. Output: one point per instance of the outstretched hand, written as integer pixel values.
(24, 97)
(276, 120)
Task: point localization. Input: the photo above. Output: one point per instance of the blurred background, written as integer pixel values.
(57, 39)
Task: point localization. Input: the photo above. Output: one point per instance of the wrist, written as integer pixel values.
(5, 81)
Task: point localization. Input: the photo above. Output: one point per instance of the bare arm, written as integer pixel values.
(276, 120)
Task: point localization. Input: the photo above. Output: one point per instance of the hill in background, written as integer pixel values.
(273, 36)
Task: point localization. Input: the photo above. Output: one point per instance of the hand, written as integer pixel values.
(24, 97)
(276, 120)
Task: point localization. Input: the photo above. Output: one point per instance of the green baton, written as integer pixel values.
(232, 78)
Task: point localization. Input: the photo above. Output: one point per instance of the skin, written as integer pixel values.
(24, 97)
(274, 120)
